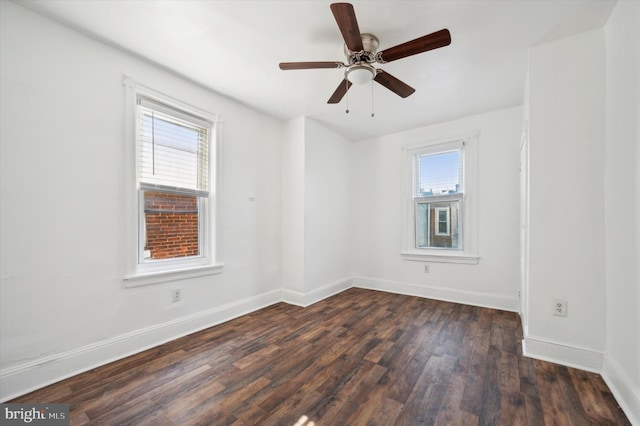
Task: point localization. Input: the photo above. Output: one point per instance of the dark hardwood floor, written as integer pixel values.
(360, 357)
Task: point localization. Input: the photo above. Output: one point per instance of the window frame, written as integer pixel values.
(467, 198)
(140, 272)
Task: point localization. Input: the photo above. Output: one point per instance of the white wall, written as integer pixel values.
(566, 181)
(524, 210)
(378, 199)
(293, 198)
(62, 204)
(316, 212)
(584, 227)
(327, 212)
(622, 205)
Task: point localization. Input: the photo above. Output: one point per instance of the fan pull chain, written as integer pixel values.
(372, 114)
(346, 85)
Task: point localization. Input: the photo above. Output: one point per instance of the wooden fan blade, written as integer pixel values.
(348, 25)
(342, 89)
(309, 65)
(396, 86)
(421, 44)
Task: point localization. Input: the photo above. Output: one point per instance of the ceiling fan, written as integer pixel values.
(361, 53)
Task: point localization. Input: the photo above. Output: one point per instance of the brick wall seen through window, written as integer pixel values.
(171, 225)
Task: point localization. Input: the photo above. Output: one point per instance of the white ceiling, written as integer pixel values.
(234, 47)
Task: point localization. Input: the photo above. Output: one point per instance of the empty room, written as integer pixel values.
(314, 213)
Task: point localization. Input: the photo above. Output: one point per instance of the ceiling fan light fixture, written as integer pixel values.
(360, 74)
(361, 50)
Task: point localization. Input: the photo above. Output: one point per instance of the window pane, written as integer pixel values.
(438, 174)
(171, 225)
(442, 227)
(438, 225)
(172, 153)
(422, 222)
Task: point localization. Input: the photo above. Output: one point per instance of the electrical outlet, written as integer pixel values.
(177, 295)
(560, 307)
(426, 268)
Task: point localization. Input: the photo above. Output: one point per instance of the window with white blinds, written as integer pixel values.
(438, 173)
(173, 181)
(173, 149)
(172, 152)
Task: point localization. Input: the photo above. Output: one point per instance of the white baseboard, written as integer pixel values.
(305, 299)
(485, 300)
(293, 297)
(24, 378)
(562, 353)
(627, 393)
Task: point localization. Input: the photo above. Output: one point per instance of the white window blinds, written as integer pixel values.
(438, 173)
(173, 149)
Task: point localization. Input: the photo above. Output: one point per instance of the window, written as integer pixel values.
(441, 206)
(442, 222)
(173, 183)
(438, 196)
(173, 153)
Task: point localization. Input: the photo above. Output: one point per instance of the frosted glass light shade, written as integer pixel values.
(360, 74)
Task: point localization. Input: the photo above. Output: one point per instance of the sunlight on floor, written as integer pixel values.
(304, 421)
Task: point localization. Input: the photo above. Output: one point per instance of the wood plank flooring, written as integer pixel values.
(361, 357)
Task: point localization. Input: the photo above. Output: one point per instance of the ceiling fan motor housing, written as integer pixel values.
(368, 54)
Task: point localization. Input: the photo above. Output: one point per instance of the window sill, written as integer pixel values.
(157, 277)
(417, 256)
